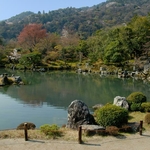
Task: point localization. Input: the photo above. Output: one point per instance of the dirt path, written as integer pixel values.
(130, 142)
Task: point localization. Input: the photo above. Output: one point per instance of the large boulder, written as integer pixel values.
(121, 101)
(79, 114)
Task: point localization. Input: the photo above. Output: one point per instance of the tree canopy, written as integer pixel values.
(31, 35)
(114, 45)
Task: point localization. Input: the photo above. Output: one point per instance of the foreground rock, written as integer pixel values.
(78, 114)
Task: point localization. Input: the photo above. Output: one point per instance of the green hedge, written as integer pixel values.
(145, 106)
(111, 115)
(136, 97)
(135, 101)
(135, 107)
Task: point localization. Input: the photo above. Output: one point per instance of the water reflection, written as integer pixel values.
(60, 88)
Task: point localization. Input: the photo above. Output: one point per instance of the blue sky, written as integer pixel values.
(9, 8)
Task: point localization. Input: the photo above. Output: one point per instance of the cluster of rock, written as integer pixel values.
(140, 72)
(8, 80)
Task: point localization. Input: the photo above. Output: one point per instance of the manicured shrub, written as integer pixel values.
(135, 107)
(146, 106)
(147, 118)
(51, 130)
(111, 115)
(136, 97)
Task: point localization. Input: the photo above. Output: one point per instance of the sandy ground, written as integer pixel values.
(129, 142)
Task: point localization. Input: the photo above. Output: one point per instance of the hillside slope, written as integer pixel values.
(83, 21)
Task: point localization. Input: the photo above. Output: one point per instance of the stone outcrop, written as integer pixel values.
(121, 101)
(79, 114)
(8, 80)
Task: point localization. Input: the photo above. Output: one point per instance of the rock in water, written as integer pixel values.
(79, 114)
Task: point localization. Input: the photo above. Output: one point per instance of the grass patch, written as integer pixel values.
(137, 117)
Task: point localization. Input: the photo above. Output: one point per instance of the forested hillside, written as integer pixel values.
(83, 21)
(115, 33)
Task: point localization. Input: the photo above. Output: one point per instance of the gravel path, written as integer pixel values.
(130, 142)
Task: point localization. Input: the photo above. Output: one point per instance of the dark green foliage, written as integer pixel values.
(29, 59)
(111, 115)
(21, 16)
(1, 41)
(146, 106)
(135, 101)
(147, 118)
(135, 107)
(51, 130)
(136, 97)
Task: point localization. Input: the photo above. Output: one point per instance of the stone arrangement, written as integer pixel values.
(8, 80)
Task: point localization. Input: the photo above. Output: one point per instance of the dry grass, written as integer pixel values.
(68, 135)
(33, 134)
(137, 117)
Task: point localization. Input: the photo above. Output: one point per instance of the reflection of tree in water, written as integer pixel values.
(3, 89)
(61, 88)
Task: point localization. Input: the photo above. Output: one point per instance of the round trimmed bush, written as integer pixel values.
(135, 107)
(111, 115)
(136, 97)
(146, 106)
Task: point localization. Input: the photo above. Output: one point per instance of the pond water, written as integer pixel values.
(46, 96)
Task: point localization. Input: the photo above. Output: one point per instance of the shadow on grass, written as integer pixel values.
(130, 117)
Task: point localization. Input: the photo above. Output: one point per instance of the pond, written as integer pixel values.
(46, 96)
